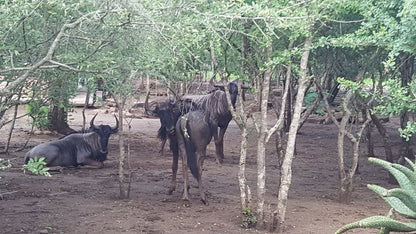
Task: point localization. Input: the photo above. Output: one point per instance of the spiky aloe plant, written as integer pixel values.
(402, 200)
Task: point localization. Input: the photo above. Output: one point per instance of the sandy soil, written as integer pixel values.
(86, 200)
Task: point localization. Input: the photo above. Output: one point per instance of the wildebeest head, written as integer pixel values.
(104, 131)
(166, 110)
(233, 90)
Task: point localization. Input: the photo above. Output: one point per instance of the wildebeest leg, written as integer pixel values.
(220, 149)
(174, 172)
(90, 163)
(185, 196)
(162, 146)
(217, 145)
(200, 157)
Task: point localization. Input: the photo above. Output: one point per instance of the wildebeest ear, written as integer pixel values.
(115, 129)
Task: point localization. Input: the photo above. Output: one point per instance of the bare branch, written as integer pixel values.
(49, 55)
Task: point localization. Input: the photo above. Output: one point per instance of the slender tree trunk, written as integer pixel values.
(407, 70)
(121, 143)
(386, 142)
(345, 186)
(370, 141)
(261, 142)
(9, 136)
(242, 168)
(286, 170)
(58, 117)
(347, 178)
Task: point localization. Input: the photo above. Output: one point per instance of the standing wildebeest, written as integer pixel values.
(216, 113)
(89, 148)
(194, 132)
(215, 108)
(168, 113)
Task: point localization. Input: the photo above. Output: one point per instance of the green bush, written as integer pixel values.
(37, 166)
(249, 219)
(40, 114)
(4, 164)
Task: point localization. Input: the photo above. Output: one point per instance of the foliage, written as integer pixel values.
(249, 219)
(39, 114)
(398, 100)
(37, 166)
(4, 164)
(402, 200)
(310, 98)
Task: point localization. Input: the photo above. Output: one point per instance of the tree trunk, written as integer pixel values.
(242, 169)
(386, 143)
(370, 141)
(286, 170)
(344, 192)
(261, 143)
(9, 136)
(407, 70)
(58, 118)
(121, 142)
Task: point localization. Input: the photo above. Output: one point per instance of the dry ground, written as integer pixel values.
(86, 200)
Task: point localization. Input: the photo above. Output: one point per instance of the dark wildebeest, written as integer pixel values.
(89, 148)
(168, 113)
(194, 133)
(215, 108)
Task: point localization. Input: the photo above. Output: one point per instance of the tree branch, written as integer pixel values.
(49, 55)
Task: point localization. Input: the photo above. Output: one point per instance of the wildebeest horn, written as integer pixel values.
(115, 129)
(146, 105)
(92, 121)
(219, 86)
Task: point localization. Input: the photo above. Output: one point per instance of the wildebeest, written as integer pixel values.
(168, 113)
(194, 133)
(89, 148)
(215, 108)
(216, 113)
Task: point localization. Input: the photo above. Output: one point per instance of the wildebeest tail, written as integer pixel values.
(191, 159)
(162, 134)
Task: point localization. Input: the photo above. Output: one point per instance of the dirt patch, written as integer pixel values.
(86, 200)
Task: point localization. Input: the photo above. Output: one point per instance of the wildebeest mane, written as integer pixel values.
(210, 104)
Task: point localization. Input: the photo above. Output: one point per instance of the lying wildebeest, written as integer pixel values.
(89, 148)
(194, 133)
(215, 108)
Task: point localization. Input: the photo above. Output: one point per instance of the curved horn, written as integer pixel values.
(92, 121)
(115, 129)
(147, 110)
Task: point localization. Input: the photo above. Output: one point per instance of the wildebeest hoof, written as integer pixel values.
(205, 202)
(171, 191)
(186, 203)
